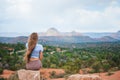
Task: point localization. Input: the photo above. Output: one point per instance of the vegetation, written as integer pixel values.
(2, 78)
(10, 58)
(100, 57)
(54, 75)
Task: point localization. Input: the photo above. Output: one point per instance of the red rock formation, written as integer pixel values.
(84, 77)
(7, 73)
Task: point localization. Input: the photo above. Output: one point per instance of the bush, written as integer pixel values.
(96, 66)
(54, 75)
(106, 67)
(3, 79)
(1, 70)
(109, 73)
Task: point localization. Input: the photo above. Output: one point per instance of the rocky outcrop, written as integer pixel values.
(52, 32)
(83, 77)
(28, 75)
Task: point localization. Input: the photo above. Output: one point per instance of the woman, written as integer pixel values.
(34, 53)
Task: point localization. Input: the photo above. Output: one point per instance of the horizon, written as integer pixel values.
(90, 34)
(65, 15)
(63, 31)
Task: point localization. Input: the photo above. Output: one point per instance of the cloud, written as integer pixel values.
(95, 20)
(67, 15)
(18, 8)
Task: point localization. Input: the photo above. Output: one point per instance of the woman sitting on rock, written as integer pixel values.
(34, 53)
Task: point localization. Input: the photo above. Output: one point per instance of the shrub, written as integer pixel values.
(109, 73)
(54, 75)
(1, 70)
(106, 67)
(3, 79)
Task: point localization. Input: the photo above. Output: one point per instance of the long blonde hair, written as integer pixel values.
(32, 41)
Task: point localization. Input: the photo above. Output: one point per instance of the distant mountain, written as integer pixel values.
(52, 36)
(59, 39)
(116, 35)
(67, 39)
(52, 32)
(73, 33)
(55, 32)
(13, 34)
(98, 35)
(107, 39)
(21, 39)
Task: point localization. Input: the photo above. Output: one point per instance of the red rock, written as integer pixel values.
(84, 77)
(7, 73)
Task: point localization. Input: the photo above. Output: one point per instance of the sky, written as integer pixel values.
(64, 15)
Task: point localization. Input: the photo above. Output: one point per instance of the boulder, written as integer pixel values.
(28, 75)
(84, 77)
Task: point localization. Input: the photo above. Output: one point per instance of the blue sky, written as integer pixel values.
(65, 15)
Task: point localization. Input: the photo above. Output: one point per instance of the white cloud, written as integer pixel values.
(107, 19)
(18, 9)
(68, 15)
(58, 20)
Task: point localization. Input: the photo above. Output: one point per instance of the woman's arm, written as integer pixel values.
(41, 55)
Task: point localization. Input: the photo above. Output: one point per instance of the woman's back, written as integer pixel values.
(36, 51)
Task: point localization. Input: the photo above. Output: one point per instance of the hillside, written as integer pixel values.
(116, 35)
(98, 57)
(107, 39)
(59, 40)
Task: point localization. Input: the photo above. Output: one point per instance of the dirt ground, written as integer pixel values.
(46, 73)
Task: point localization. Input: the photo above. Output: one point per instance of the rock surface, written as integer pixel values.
(28, 75)
(6, 73)
(84, 77)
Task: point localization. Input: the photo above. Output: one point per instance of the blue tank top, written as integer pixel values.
(36, 52)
